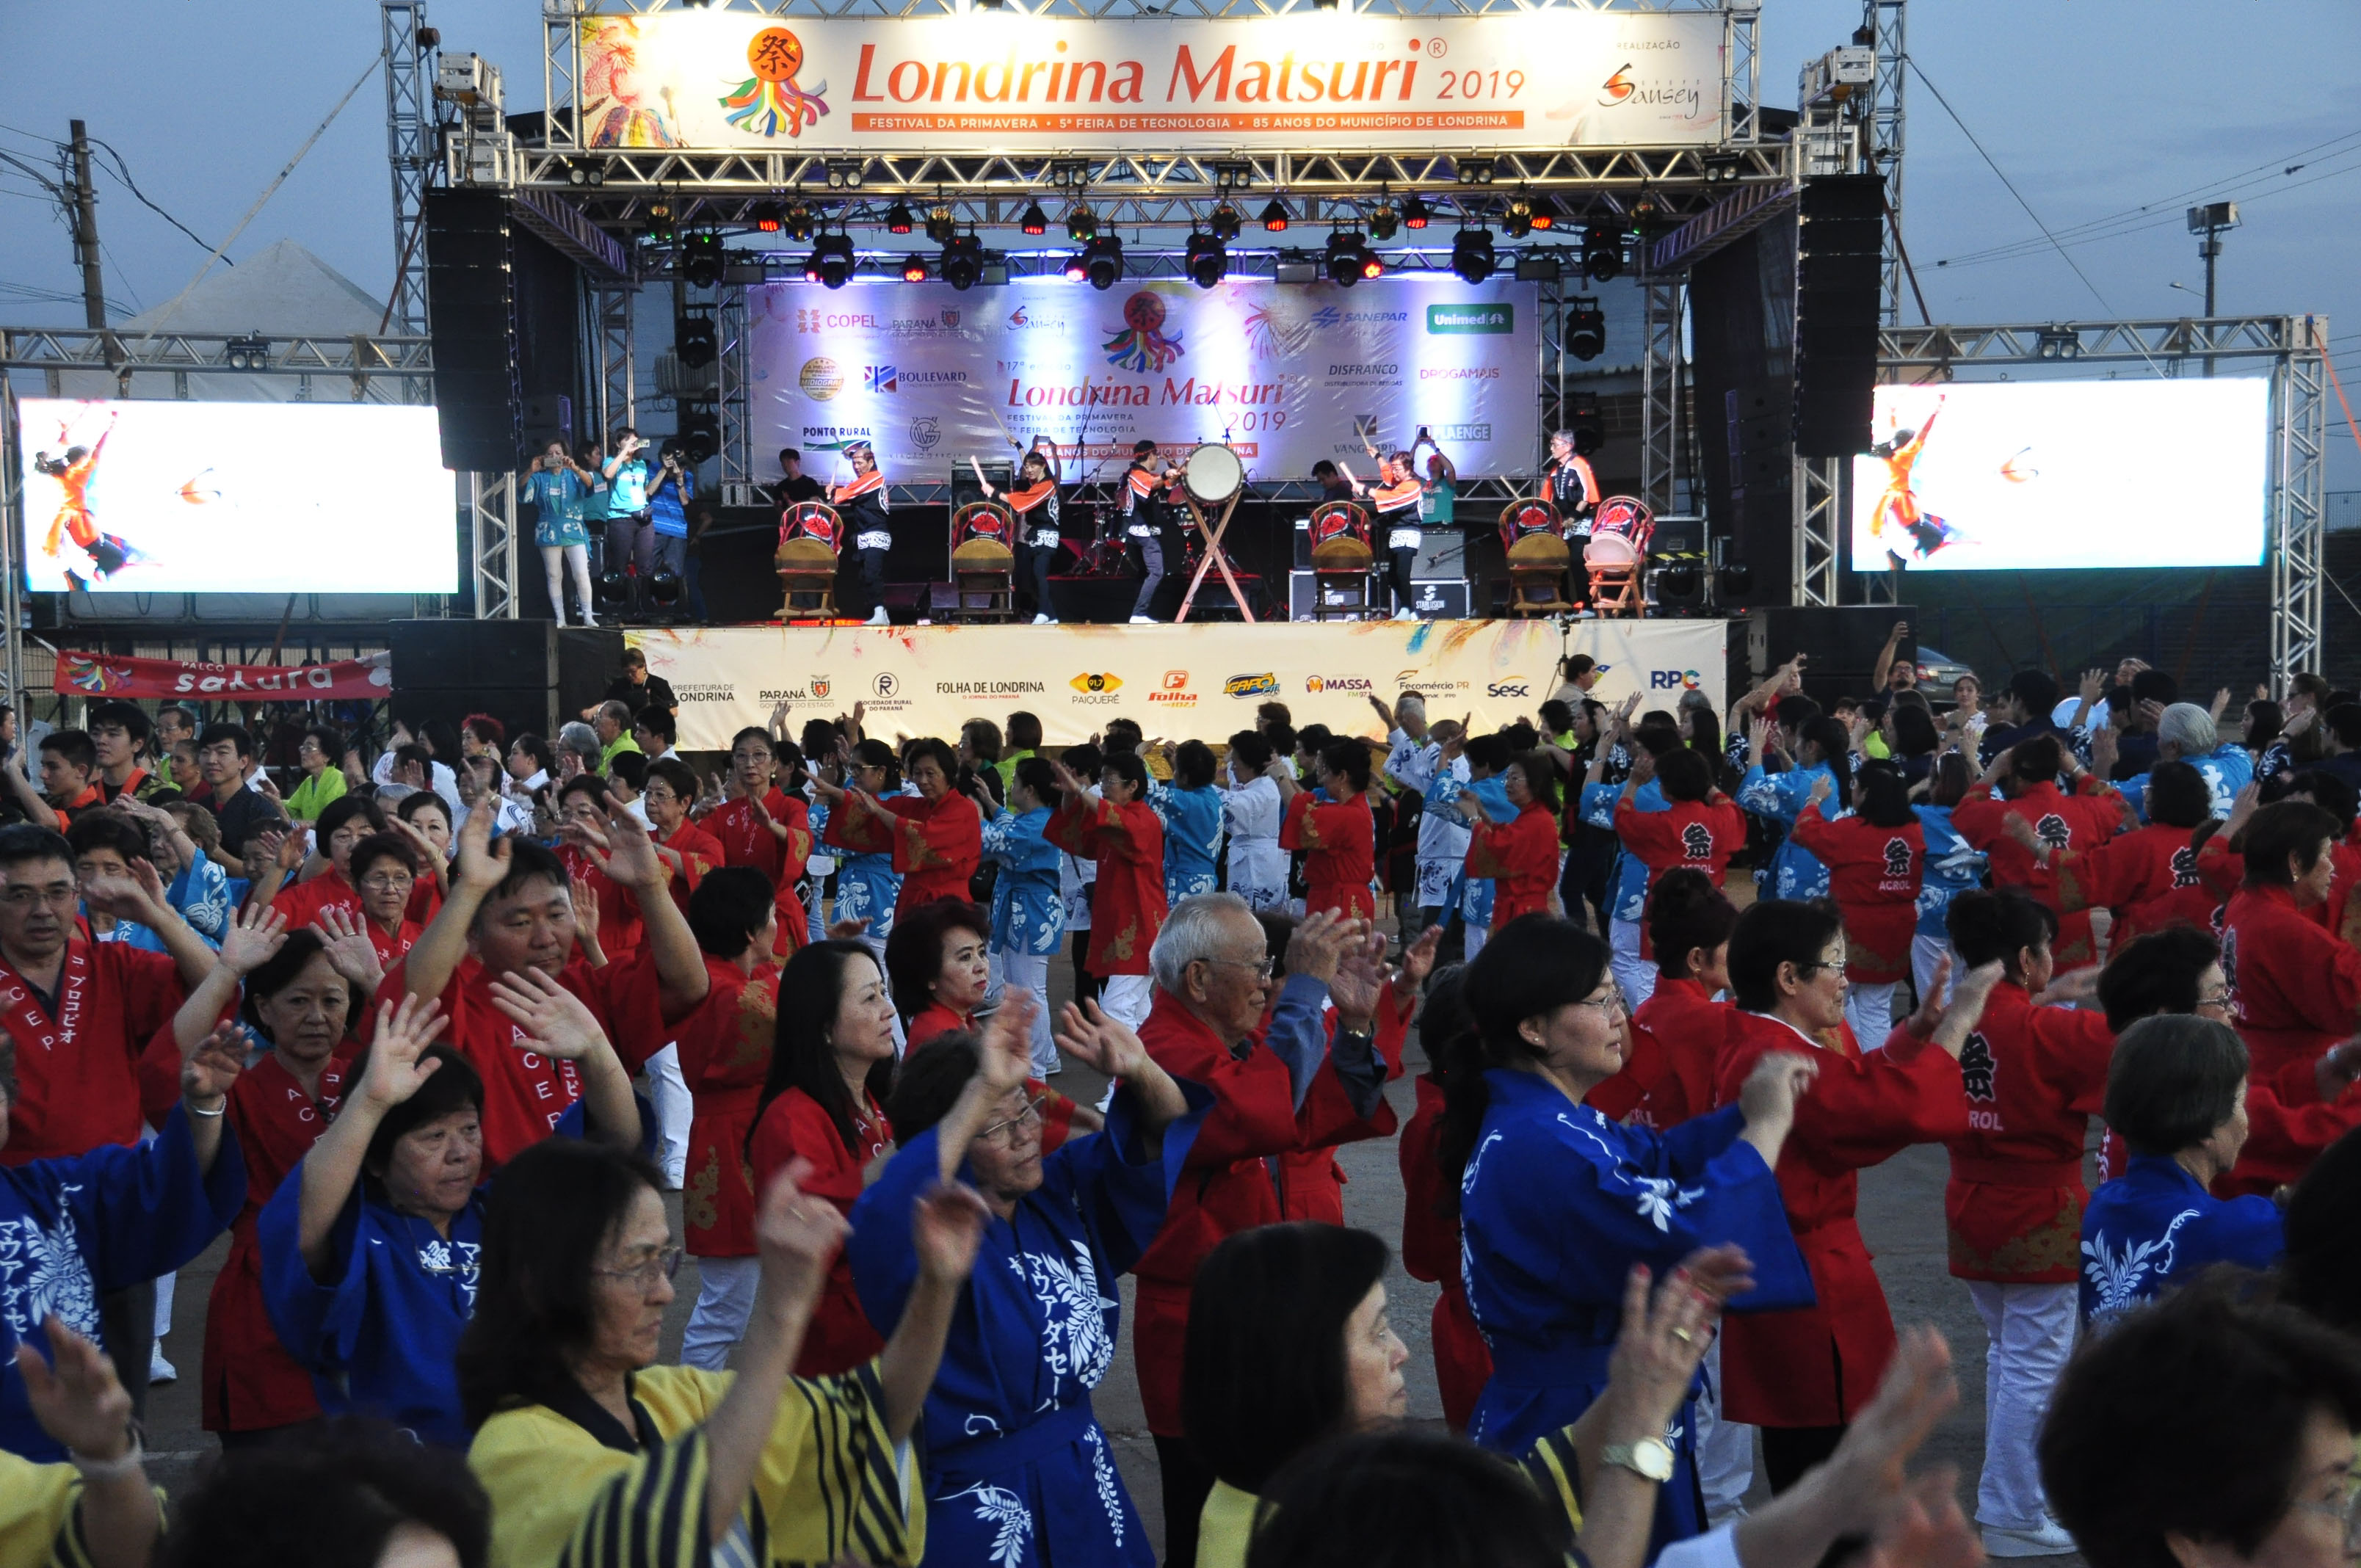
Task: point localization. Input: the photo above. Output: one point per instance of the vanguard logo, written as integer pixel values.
(1264, 684)
(1672, 680)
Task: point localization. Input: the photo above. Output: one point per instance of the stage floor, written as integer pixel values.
(1202, 681)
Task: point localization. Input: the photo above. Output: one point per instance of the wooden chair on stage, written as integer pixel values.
(1617, 556)
(1538, 560)
(984, 568)
(806, 561)
(1342, 561)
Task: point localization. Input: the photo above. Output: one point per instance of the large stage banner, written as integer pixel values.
(121, 675)
(1200, 682)
(1285, 374)
(987, 80)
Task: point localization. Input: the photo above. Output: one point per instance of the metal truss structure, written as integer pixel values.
(2293, 348)
(374, 369)
(1663, 394)
(491, 524)
(410, 155)
(1883, 21)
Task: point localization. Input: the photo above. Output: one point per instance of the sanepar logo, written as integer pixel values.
(1446, 320)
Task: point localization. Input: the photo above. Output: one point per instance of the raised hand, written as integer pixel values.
(632, 857)
(585, 903)
(1965, 1009)
(207, 1071)
(78, 1400)
(1005, 1054)
(845, 930)
(796, 1235)
(2104, 751)
(1360, 979)
(1418, 961)
(1318, 942)
(2071, 989)
(1758, 738)
(1930, 1013)
(555, 1021)
(1068, 779)
(1090, 1036)
(252, 939)
(945, 1227)
(1664, 1337)
(1643, 767)
(344, 938)
(1772, 1088)
(2093, 686)
(394, 1072)
(1824, 786)
(482, 864)
(1720, 1272)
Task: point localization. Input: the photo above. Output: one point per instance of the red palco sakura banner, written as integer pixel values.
(109, 676)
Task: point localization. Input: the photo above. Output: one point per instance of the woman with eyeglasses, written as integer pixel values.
(1802, 1375)
(1557, 1205)
(1019, 1472)
(594, 1455)
(344, 823)
(384, 868)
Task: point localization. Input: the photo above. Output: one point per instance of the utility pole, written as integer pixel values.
(93, 286)
(2211, 221)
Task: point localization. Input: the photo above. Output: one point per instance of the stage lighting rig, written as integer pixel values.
(1226, 222)
(247, 354)
(768, 217)
(1274, 216)
(1471, 255)
(694, 342)
(1545, 212)
(1602, 252)
(1474, 171)
(586, 174)
(660, 229)
(700, 260)
(898, 219)
(1519, 223)
(1035, 221)
(941, 225)
(800, 223)
(1102, 262)
(700, 432)
(1082, 224)
(1208, 263)
(2059, 342)
(1414, 213)
(914, 268)
(831, 261)
(1585, 329)
(963, 262)
(1076, 268)
(1383, 221)
(1350, 259)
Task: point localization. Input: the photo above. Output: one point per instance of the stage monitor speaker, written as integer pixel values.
(505, 668)
(1840, 644)
(1838, 263)
(470, 307)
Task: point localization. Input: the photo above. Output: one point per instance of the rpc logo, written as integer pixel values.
(1672, 680)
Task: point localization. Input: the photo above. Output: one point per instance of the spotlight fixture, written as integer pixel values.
(1520, 219)
(1414, 213)
(1274, 216)
(1076, 269)
(1102, 262)
(1544, 210)
(700, 432)
(963, 262)
(768, 218)
(1383, 223)
(660, 227)
(898, 219)
(1585, 329)
(831, 261)
(2060, 343)
(1471, 255)
(700, 260)
(939, 224)
(1349, 258)
(844, 176)
(1082, 224)
(1208, 263)
(693, 341)
(914, 268)
(800, 222)
(586, 174)
(1474, 171)
(1602, 252)
(1035, 219)
(246, 353)
(1226, 222)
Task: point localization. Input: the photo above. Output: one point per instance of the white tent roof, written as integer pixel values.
(281, 289)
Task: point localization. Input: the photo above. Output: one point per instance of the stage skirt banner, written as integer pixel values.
(989, 81)
(110, 675)
(1200, 682)
(1285, 374)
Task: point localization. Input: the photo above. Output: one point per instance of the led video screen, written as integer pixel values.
(2031, 475)
(155, 497)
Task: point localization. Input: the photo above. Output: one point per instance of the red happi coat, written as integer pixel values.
(1818, 1365)
(1226, 1185)
(1520, 857)
(1430, 1251)
(299, 903)
(1873, 874)
(795, 1125)
(699, 852)
(937, 845)
(622, 928)
(1310, 1182)
(1056, 1110)
(525, 1092)
(744, 841)
(1128, 905)
(2034, 1077)
(2150, 877)
(1699, 835)
(725, 1055)
(2298, 989)
(1681, 1027)
(391, 945)
(1339, 841)
(79, 1082)
(250, 1382)
(2083, 820)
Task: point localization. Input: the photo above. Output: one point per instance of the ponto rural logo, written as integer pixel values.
(1264, 684)
(1095, 683)
(821, 378)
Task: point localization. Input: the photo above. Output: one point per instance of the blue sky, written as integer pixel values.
(2091, 107)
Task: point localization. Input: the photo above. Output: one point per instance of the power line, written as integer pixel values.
(2021, 248)
(122, 173)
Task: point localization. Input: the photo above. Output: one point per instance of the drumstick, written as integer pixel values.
(978, 475)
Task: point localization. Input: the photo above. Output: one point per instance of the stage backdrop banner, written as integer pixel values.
(115, 675)
(1199, 682)
(1285, 374)
(1004, 81)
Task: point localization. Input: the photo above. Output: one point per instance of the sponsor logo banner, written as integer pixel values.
(120, 675)
(1179, 682)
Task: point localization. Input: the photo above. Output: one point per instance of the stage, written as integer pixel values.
(1195, 681)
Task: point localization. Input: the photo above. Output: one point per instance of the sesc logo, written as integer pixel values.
(1507, 688)
(1096, 684)
(1264, 684)
(1672, 680)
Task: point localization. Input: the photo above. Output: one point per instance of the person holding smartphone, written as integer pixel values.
(669, 495)
(631, 530)
(558, 487)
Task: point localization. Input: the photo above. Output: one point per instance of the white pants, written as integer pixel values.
(1030, 971)
(1869, 1009)
(674, 1108)
(164, 1304)
(1725, 1450)
(1474, 938)
(2030, 1330)
(576, 556)
(725, 1298)
(1128, 998)
(1926, 953)
(1635, 977)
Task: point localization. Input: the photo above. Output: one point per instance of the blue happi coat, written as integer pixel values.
(1628, 892)
(1954, 866)
(1029, 912)
(2227, 769)
(1795, 872)
(1020, 1473)
(1193, 838)
(2154, 1227)
(1442, 795)
(1557, 1205)
(73, 1230)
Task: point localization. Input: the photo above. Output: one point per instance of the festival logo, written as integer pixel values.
(87, 674)
(880, 379)
(1095, 683)
(1140, 344)
(1264, 684)
(1269, 338)
(821, 378)
(770, 101)
(616, 111)
(1617, 87)
(1016, 317)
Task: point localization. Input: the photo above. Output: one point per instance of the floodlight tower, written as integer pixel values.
(2211, 221)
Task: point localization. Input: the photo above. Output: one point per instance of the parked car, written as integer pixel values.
(1937, 671)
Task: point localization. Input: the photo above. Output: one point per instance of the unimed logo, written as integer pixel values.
(1470, 319)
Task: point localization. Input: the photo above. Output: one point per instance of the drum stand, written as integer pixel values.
(1215, 556)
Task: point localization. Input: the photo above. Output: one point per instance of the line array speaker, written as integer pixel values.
(471, 309)
(1838, 258)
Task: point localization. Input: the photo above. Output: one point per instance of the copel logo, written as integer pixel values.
(1672, 680)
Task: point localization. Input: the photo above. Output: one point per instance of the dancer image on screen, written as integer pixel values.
(558, 485)
(1144, 484)
(1572, 487)
(1034, 499)
(73, 472)
(1899, 453)
(867, 512)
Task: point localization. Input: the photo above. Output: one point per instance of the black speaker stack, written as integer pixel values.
(1838, 258)
(471, 307)
(509, 669)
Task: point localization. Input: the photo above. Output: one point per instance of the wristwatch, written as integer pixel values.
(1650, 1457)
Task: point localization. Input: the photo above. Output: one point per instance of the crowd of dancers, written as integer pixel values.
(430, 1036)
